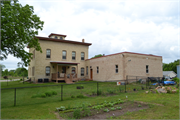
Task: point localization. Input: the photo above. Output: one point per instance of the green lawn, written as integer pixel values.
(44, 108)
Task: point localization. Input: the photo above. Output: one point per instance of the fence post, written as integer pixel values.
(125, 87)
(146, 83)
(136, 79)
(7, 82)
(97, 88)
(61, 92)
(15, 97)
(127, 79)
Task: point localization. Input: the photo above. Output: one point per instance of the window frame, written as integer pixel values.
(56, 37)
(116, 69)
(147, 69)
(48, 70)
(82, 58)
(49, 53)
(82, 71)
(97, 69)
(72, 70)
(64, 56)
(86, 70)
(73, 56)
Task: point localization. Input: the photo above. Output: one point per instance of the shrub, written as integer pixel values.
(110, 91)
(43, 95)
(93, 92)
(72, 96)
(99, 92)
(176, 79)
(54, 92)
(48, 93)
(77, 113)
(35, 95)
(80, 96)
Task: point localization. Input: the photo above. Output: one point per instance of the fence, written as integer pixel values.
(24, 95)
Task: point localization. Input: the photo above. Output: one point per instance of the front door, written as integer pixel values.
(91, 74)
(64, 70)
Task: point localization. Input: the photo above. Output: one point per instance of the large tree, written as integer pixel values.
(171, 66)
(99, 55)
(19, 25)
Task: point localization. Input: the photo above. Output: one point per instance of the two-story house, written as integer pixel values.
(58, 56)
(67, 60)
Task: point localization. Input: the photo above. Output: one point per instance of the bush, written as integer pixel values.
(48, 93)
(99, 92)
(176, 79)
(72, 96)
(35, 95)
(80, 96)
(43, 95)
(54, 92)
(77, 113)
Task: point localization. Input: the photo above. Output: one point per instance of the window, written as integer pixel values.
(73, 70)
(47, 71)
(33, 71)
(64, 54)
(61, 38)
(73, 55)
(82, 71)
(56, 37)
(97, 69)
(147, 69)
(86, 70)
(82, 55)
(116, 68)
(48, 53)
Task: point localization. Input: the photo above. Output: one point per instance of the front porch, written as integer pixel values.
(62, 74)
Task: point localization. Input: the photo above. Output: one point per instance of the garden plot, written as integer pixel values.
(101, 111)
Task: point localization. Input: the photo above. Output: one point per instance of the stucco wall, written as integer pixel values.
(56, 48)
(128, 64)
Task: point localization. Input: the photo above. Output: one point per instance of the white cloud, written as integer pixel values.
(149, 27)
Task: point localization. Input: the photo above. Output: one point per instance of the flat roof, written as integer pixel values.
(63, 41)
(125, 52)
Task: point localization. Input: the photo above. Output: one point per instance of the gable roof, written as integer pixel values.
(168, 72)
(63, 41)
(125, 52)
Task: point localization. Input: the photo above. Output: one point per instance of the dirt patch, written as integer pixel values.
(100, 114)
(149, 103)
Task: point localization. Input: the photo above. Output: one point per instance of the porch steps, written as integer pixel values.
(68, 81)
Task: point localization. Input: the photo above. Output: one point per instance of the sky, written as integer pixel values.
(112, 26)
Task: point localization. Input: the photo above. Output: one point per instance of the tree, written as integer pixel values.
(18, 29)
(99, 55)
(6, 73)
(171, 66)
(21, 64)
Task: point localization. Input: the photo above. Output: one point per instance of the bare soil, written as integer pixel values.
(100, 114)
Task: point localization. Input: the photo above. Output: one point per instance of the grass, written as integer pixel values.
(44, 108)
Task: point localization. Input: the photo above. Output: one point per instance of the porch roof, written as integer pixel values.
(64, 63)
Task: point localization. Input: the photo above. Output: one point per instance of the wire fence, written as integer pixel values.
(52, 93)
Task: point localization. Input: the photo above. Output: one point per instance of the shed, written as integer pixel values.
(169, 73)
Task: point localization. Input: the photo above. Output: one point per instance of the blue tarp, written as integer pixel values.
(167, 82)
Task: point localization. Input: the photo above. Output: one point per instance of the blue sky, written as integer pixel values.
(141, 26)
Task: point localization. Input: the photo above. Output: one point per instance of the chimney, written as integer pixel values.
(83, 40)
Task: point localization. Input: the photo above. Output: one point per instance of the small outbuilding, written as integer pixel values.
(170, 74)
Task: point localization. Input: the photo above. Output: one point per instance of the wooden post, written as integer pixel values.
(57, 74)
(77, 71)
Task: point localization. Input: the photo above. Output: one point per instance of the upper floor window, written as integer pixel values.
(147, 69)
(116, 69)
(97, 69)
(56, 37)
(63, 54)
(82, 71)
(47, 71)
(48, 53)
(73, 55)
(82, 55)
(61, 38)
